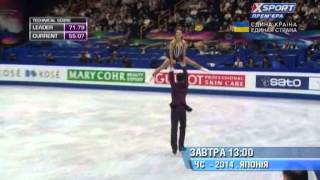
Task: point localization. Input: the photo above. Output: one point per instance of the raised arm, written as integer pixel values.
(171, 52)
(185, 73)
(171, 75)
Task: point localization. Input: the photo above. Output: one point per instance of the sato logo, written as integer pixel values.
(282, 82)
(273, 8)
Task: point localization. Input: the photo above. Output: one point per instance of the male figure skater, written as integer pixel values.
(178, 106)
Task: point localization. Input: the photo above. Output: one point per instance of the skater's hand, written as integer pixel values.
(171, 61)
(171, 68)
(184, 60)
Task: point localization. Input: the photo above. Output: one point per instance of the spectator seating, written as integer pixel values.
(295, 60)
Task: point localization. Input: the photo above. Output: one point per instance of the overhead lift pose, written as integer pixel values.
(177, 53)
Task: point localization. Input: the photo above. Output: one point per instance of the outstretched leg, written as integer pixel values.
(189, 61)
(195, 64)
(164, 65)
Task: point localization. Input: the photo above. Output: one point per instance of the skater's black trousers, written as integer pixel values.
(178, 115)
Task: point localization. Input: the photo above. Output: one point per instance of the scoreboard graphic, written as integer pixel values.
(58, 28)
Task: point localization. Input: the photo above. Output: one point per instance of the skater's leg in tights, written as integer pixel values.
(195, 64)
(164, 65)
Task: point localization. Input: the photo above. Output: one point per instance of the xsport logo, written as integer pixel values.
(271, 10)
(282, 82)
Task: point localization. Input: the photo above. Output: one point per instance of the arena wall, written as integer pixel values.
(274, 84)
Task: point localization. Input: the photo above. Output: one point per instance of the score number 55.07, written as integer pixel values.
(76, 36)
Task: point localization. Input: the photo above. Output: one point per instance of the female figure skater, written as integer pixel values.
(177, 53)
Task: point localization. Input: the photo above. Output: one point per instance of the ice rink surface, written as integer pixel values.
(56, 133)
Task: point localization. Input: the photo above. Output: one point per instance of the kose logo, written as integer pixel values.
(273, 8)
(11, 73)
(44, 74)
(282, 82)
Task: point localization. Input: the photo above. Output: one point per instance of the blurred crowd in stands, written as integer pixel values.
(240, 56)
(96, 58)
(113, 15)
(191, 15)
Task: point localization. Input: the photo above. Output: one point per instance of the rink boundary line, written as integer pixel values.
(160, 89)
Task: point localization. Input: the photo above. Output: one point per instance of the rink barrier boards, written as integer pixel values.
(263, 84)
